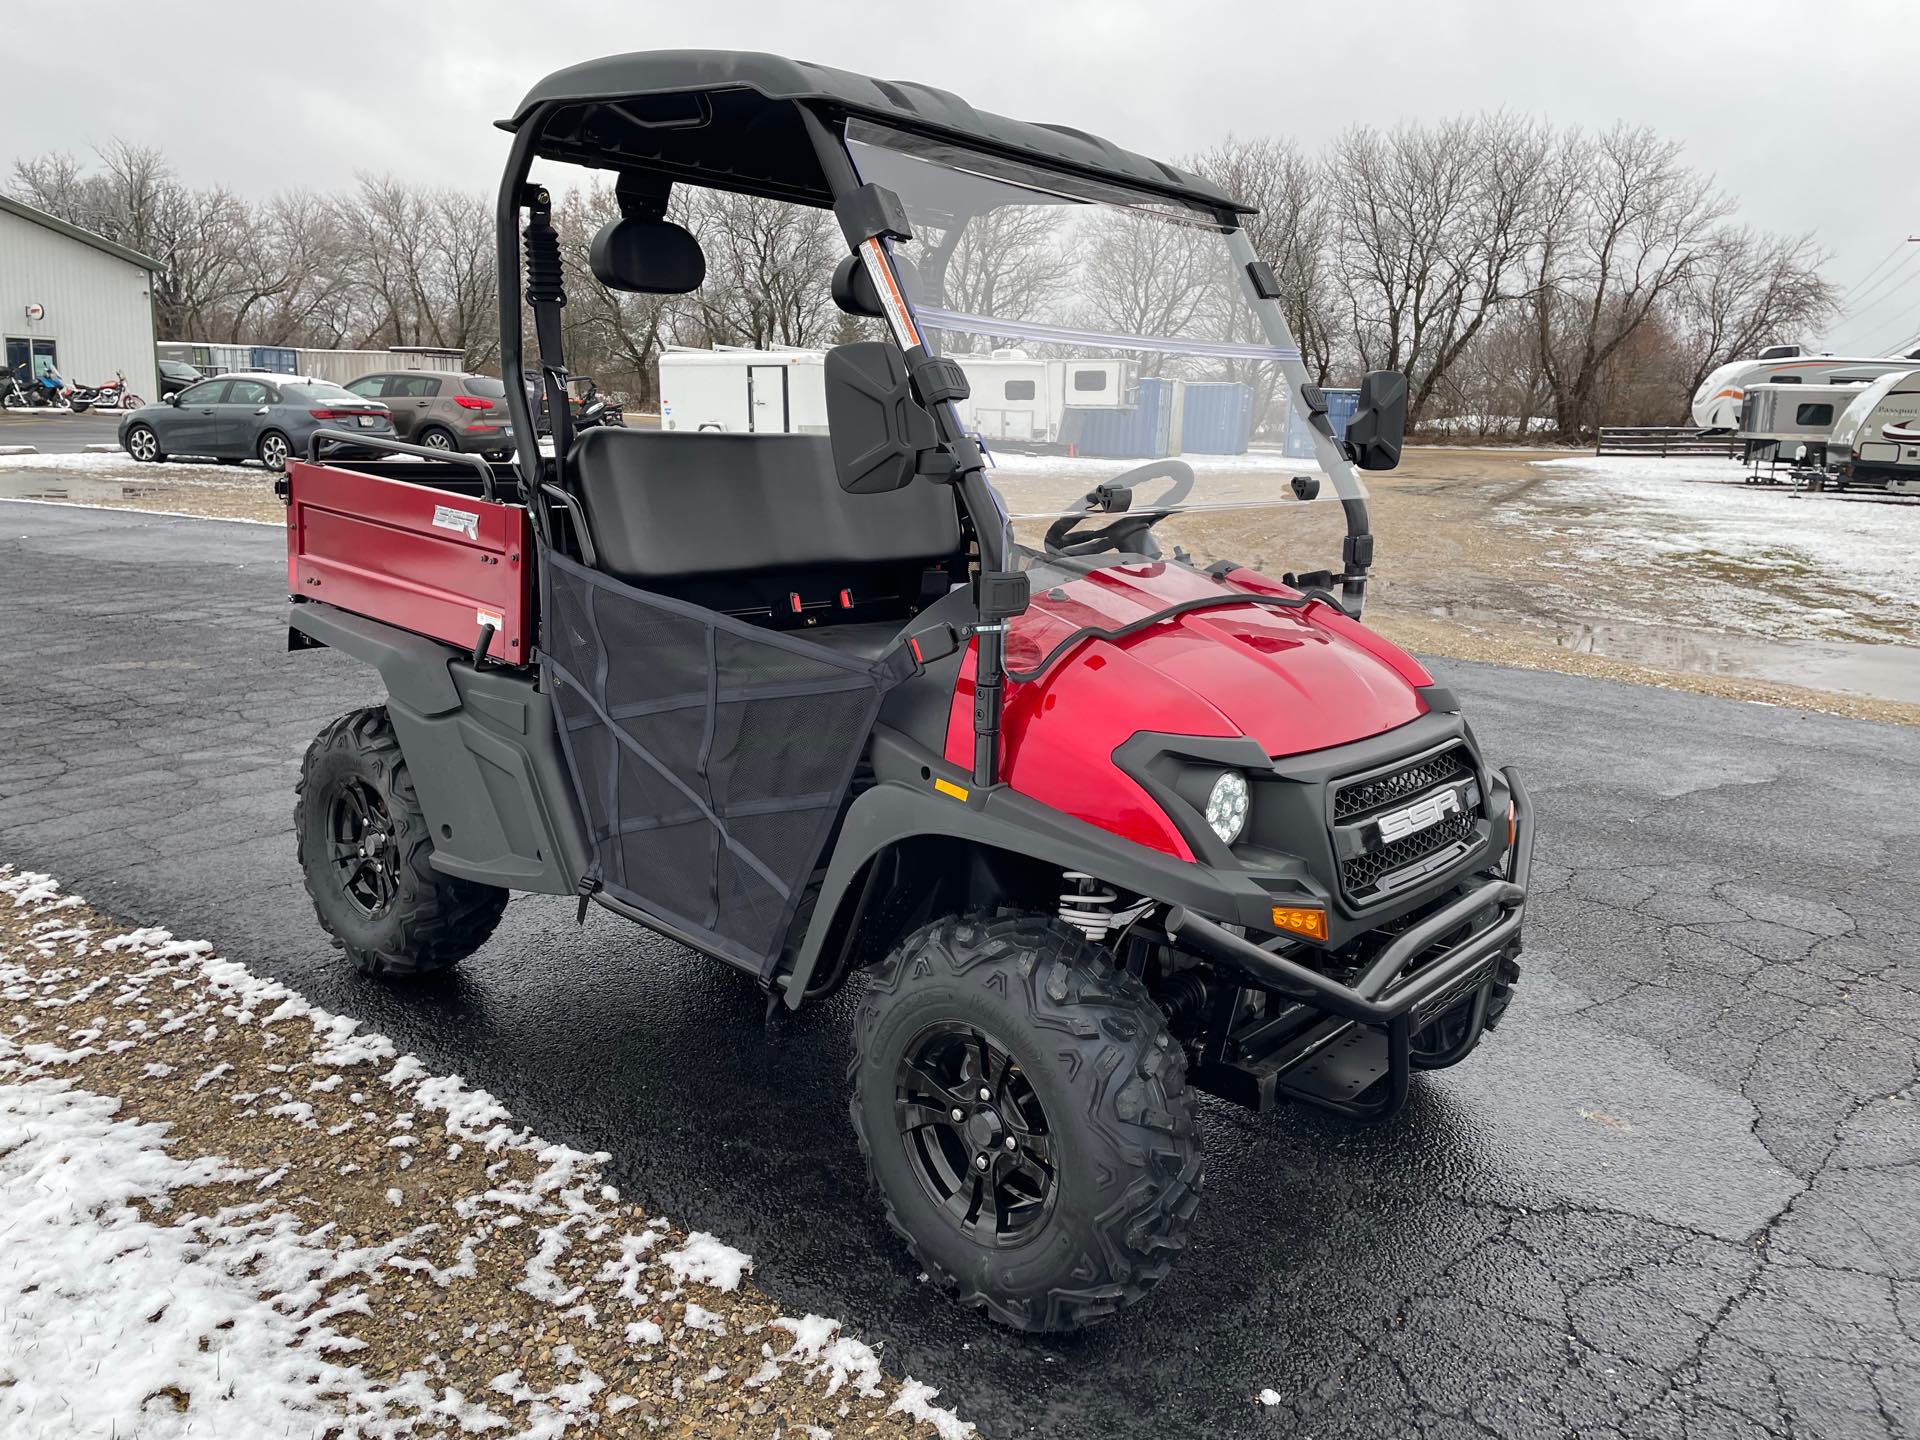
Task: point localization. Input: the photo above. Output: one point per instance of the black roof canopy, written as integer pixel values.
(726, 118)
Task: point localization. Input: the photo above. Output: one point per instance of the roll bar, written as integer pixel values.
(364, 441)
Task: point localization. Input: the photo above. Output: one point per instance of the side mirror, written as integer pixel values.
(174, 399)
(1379, 426)
(878, 429)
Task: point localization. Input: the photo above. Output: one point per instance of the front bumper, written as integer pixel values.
(1401, 988)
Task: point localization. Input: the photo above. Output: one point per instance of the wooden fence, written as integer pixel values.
(1664, 440)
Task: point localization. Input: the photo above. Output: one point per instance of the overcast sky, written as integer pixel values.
(1810, 134)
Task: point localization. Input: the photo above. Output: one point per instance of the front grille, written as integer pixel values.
(1362, 873)
(1382, 790)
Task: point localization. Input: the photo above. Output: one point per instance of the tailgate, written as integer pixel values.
(430, 561)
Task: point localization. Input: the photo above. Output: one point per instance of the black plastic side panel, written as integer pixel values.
(483, 753)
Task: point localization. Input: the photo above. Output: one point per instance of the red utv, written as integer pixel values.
(973, 693)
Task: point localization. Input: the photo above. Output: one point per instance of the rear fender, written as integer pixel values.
(482, 749)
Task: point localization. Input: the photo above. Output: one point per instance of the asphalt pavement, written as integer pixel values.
(1677, 1194)
(60, 434)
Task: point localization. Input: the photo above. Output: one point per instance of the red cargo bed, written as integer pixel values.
(432, 561)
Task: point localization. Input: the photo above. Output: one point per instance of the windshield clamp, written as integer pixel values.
(869, 213)
(935, 379)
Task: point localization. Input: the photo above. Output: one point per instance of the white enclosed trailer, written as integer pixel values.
(1021, 400)
(741, 391)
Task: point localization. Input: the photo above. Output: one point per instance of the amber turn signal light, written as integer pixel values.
(1510, 825)
(1299, 920)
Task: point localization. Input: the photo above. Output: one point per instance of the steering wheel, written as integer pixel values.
(1132, 532)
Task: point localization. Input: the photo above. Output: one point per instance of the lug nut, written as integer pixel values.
(979, 1162)
(1008, 1142)
(985, 1093)
(957, 1114)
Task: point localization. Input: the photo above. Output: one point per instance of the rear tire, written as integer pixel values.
(1092, 1159)
(365, 850)
(273, 451)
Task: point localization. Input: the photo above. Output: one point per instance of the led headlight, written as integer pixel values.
(1227, 806)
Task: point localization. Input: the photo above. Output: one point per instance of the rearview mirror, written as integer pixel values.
(1379, 425)
(878, 429)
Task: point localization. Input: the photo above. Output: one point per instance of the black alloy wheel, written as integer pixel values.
(975, 1133)
(362, 848)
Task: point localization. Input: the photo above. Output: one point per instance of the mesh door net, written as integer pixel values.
(710, 757)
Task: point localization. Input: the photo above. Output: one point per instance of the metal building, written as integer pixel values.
(74, 301)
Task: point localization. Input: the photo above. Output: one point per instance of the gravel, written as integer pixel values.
(265, 1219)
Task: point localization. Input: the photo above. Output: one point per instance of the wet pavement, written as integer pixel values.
(1675, 1195)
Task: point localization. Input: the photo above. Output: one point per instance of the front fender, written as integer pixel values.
(1003, 819)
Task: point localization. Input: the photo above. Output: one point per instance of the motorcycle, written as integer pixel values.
(24, 390)
(592, 408)
(113, 395)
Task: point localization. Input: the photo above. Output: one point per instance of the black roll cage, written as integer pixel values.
(998, 593)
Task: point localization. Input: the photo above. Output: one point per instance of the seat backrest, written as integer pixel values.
(674, 506)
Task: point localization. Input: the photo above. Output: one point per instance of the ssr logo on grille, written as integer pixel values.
(1411, 819)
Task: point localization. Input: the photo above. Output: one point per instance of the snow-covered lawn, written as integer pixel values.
(1637, 508)
(118, 465)
(230, 1213)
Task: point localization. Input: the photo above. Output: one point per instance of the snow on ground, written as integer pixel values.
(316, 1235)
(1633, 508)
(118, 465)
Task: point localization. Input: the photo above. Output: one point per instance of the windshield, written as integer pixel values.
(1107, 335)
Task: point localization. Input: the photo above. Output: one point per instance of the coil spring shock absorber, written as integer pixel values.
(1087, 905)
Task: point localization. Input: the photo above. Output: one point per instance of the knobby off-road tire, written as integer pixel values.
(406, 918)
(1090, 1050)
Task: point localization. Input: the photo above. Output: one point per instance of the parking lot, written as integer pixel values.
(58, 434)
(1672, 1197)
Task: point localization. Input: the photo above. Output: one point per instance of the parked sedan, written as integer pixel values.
(249, 417)
(444, 409)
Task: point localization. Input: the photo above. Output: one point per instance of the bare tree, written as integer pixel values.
(1749, 290)
(1006, 263)
(1430, 226)
(1626, 226)
(769, 270)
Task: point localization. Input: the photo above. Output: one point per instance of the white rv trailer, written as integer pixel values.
(1021, 400)
(1791, 422)
(1876, 440)
(743, 391)
(1716, 404)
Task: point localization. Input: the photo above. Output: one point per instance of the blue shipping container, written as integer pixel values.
(1141, 431)
(275, 358)
(1340, 407)
(1216, 418)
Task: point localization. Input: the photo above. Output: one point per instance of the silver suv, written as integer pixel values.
(444, 410)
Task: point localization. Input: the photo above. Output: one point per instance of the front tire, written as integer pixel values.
(143, 444)
(434, 438)
(365, 850)
(1068, 1182)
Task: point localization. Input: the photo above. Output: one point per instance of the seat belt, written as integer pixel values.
(546, 297)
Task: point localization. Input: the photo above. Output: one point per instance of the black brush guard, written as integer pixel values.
(1357, 1060)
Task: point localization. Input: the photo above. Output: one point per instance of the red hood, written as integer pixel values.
(1292, 680)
